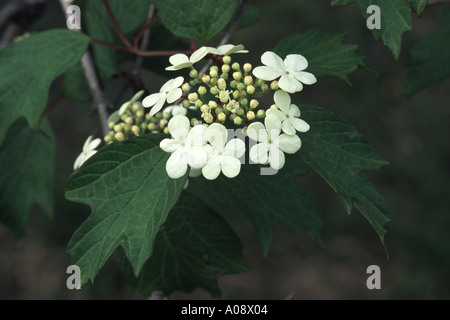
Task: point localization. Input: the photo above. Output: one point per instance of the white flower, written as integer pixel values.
(187, 147)
(176, 110)
(222, 156)
(290, 70)
(128, 104)
(271, 144)
(288, 115)
(170, 91)
(88, 151)
(227, 49)
(181, 61)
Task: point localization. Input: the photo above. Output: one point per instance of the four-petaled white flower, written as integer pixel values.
(272, 145)
(223, 156)
(169, 92)
(227, 49)
(288, 114)
(128, 104)
(290, 70)
(181, 61)
(187, 147)
(176, 110)
(88, 151)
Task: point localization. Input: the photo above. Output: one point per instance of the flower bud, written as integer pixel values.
(224, 76)
(135, 130)
(214, 91)
(118, 128)
(206, 78)
(136, 106)
(144, 126)
(221, 117)
(119, 136)
(226, 59)
(219, 110)
(151, 126)
(186, 104)
(163, 123)
(108, 139)
(212, 104)
(241, 86)
(225, 68)
(236, 94)
(240, 111)
(208, 117)
(237, 121)
(221, 84)
(193, 97)
(202, 90)
(193, 73)
(274, 106)
(250, 115)
(213, 81)
(261, 114)
(274, 85)
(213, 73)
(167, 115)
(111, 125)
(251, 89)
(243, 101)
(233, 84)
(129, 120)
(235, 66)
(233, 116)
(224, 96)
(247, 67)
(140, 113)
(198, 104)
(166, 130)
(248, 80)
(237, 76)
(194, 122)
(254, 104)
(204, 108)
(186, 87)
(265, 87)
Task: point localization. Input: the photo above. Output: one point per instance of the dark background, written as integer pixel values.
(410, 132)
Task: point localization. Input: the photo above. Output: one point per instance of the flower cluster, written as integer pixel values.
(203, 107)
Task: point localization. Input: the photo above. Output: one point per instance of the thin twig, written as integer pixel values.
(116, 24)
(139, 52)
(230, 34)
(100, 102)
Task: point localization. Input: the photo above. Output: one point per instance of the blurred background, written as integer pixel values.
(412, 133)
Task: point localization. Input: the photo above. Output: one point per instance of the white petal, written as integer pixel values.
(289, 144)
(89, 154)
(258, 153)
(276, 158)
(124, 107)
(294, 111)
(174, 95)
(197, 136)
(137, 96)
(267, 73)
(276, 113)
(287, 127)
(217, 135)
(180, 66)
(290, 84)
(94, 144)
(273, 125)
(256, 131)
(305, 77)
(211, 170)
(178, 58)
(199, 54)
(158, 106)
(295, 62)
(79, 161)
(282, 100)
(300, 125)
(151, 100)
(271, 59)
(176, 166)
(213, 51)
(169, 145)
(225, 48)
(179, 128)
(179, 110)
(177, 82)
(235, 148)
(86, 143)
(197, 157)
(231, 167)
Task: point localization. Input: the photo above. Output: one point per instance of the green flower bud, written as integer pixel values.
(208, 117)
(108, 139)
(226, 68)
(254, 104)
(251, 89)
(151, 126)
(144, 126)
(259, 82)
(186, 87)
(136, 106)
(224, 76)
(186, 104)
(240, 111)
(163, 123)
(235, 66)
(236, 94)
(237, 121)
(261, 114)
(214, 91)
(193, 73)
(213, 81)
(243, 101)
(214, 68)
(237, 76)
(198, 104)
(265, 87)
(226, 59)
(233, 84)
(250, 115)
(221, 117)
(119, 136)
(193, 83)
(206, 79)
(274, 106)
(219, 110)
(147, 116)
(241, 86)
(248, 80)
(111, 125)
(213, 73)
(247, 67)
(193, 97)
(212, 104)
(221, 84)
(202, 90)
(166, 130)
(194, 122)
(167, 115)
(135, 129)
(129, 120)
(140, 113)
(274, 85)
(233, 116)
(118, 128)
(204, 108)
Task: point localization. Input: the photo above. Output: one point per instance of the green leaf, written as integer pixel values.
(75, 84)
(339, 153)
(198, 20)
(104, 57)
(251, 15)
(130, 15)
(395, 20)
(418, 6)
(26, 172)
(326, 54)
(28, 68)
(191, 248)
(130, 193)
(263, 199)
(429, 61)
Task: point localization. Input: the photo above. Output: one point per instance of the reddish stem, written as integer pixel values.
(116, 25)
(141, 33)
(53, 104)
(140, 52)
